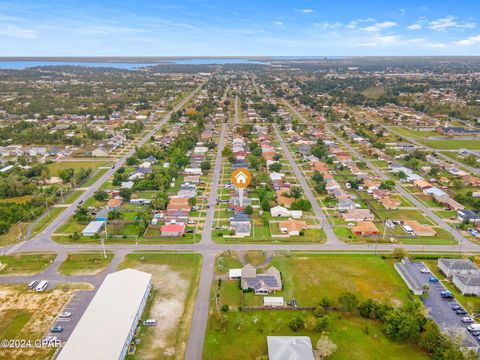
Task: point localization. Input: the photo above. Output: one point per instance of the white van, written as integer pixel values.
(150, 322)
(473, 327)
(42, 285)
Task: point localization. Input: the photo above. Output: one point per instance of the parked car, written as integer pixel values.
(461, 312)
(424, 271)
(150, 322)
(65, 314)
(32, 284)
(56, 329)
(456, 307)
(445, 294)
(467, 320)
(433, 279)
(476, 332)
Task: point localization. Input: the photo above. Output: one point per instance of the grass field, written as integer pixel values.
(175, 278)
(58, 166)
(452, 144)
(24, 264)
(84, 263)
(413, 133)
(42, 224)
(310, 277)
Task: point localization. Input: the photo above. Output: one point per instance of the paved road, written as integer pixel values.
(236, 115)
(46, 234)
(200, 313)
(460, 238)
(212, 197)
(436, 151)
(327, 227)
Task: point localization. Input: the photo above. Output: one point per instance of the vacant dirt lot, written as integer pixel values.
(168, 309)
(28, 315)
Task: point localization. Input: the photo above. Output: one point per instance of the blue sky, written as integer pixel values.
(242, 27)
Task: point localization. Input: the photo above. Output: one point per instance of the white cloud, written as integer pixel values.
(278, 23)
(15, 31)
(307, 11)
(327, 25)
(416, 26)
(472, 40)
(379, 26)
(381, 41)
(449, 22)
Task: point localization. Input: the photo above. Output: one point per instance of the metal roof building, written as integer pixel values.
(289, 348)
(92, 228)
(106, 328)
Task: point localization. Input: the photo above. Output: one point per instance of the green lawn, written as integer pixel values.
(58, 166)
(42, 224)
(414, 133)
(451, 144)
(84, 263)
(24, 264)
(309, 277)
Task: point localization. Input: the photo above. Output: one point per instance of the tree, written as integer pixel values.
(100, 195)
(325, 348)
(126, 194)
(192, 201)
(348, 302)
(319, 311)
(248, 210)
(322, 323)
(205, 165)
(301, 204)
(310, 323)
(296, 192)
(296, 323)
(114, 214)
(276, 167)
(66, 175)
(399, 253)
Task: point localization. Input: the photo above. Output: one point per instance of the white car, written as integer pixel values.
(425, 271)
(65, 314)
(467, 320)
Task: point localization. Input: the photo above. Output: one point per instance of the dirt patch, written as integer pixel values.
(43, 307)
(168, 308)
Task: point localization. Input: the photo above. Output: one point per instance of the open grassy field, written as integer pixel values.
(452, 144)
(309, 277)
(24, 264)
(84, 263)
(413, 133)
(175, 278)
(58, 166)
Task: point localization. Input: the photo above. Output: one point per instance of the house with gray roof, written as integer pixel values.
(451, 267)
(289, 348)
(261, 284)
(467, 284)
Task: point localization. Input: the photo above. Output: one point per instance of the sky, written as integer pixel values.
(239, 28)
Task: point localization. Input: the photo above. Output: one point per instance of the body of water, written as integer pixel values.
(19, 65)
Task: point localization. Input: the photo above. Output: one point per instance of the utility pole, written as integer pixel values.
(103, 241)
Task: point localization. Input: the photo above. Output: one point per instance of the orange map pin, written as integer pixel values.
(241, 178)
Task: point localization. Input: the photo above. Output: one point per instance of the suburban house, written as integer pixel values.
(449, 203)
(99, 152)
(358, 215)
(262, 284)
(452, 267)
(419, 229)
(115, 203)
(390, 203)
(365, 228)
(292, 227)
(289, 347)
(280, 211)
(178, 203)
(273, 301)
(470, 215)
(172, 230)
(467, 284)
(240, 224)
(422, 184)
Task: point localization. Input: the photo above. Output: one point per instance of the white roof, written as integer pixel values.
(93, 226)
(289, 348)
(103, 329)
(273, 299)
(233, 273)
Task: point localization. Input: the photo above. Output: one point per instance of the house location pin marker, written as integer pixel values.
(241, 178)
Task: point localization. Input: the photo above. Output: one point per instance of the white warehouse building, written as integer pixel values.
(107, 327)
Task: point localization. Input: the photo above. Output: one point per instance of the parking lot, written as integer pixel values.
(76, 306)
(439, 309)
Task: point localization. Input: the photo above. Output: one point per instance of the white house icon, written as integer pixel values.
(241, 178)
